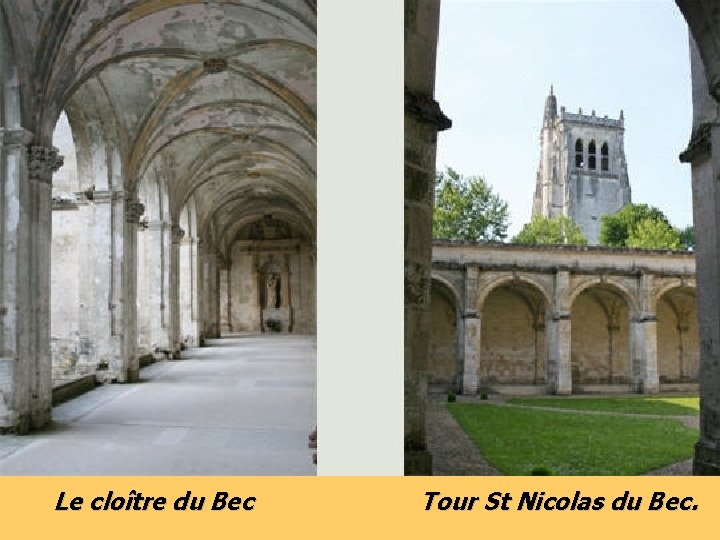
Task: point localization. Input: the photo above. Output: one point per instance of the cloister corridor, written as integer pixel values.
(243, 405)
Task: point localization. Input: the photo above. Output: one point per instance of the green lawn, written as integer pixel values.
(681, 405)
(516, 441)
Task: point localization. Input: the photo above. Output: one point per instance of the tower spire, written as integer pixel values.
(550, 107)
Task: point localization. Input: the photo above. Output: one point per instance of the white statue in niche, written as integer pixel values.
(271, 294)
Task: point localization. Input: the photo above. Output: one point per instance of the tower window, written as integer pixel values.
(579, 158)
(605, 157)
(591, 155)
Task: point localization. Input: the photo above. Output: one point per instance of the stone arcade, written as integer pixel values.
(561, 319)
(188, 184)
(424, 119)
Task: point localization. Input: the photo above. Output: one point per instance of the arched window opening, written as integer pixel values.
(591, 155)
(579, 157)
(605, 157)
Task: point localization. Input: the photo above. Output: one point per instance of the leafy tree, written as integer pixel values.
(615, 229)
(466, 208)
(687, 238)
(654, 234)
(557, 230)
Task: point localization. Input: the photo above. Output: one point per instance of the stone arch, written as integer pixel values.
(630, 297)
(513, 278)
(600, 342)
(667, 287)
(513, 311)
(445, 365)
(678, 351)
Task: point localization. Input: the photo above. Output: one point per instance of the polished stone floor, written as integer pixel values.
(244, 405)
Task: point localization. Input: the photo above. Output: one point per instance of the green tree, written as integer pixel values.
(654, 234)
(615, 229)
(557, 230)
(466, 208)
(687, 238)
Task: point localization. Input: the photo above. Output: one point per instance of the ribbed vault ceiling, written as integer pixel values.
(216, 97)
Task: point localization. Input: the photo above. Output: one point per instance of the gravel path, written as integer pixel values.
(454, 454)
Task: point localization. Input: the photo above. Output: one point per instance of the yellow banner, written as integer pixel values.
(357, 507)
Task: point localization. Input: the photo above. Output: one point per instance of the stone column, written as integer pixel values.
(423, 120)
(187, 278)
(285, 299)
(704, 156)
(127, 366)
(558, 332)
(643, 335)
(176, 234)
(471, 333)
(42, 163)
(219, 261)
(25, 235)
(158, 301)
(224, 270)
(16, 310)
(643, 330)
(209, 293)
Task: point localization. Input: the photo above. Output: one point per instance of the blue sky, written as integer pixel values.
(495, 64)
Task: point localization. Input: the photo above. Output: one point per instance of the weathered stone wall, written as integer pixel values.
(443, 359)
(67, 232)
(512, 349)
(241, 298)
(600, 348)
(678, 341)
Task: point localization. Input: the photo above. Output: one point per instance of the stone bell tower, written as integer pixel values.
(583, 171)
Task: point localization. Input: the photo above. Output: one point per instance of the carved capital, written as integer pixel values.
(133, 211)
(43, 162)
(699, 143)
(425, 109)
(177, 234)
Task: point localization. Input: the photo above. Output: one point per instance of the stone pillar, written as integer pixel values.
(158, 301)
(643, 330)
(110, 274)
(703, 153)
(187, 278)
(558, 332)
(643, 335)
(176, 234)
(219, 262)
(225, 272)
(16, 311)
(127, 366)
(42, 163)
(209, 294)
(471, 333)
(423, 120)
(286, 301)
(26, 236)
(256, 298)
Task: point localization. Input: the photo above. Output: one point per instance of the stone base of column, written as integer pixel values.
(707, 460)
(133, 375)
(418, 463)
(13, 423)
(40, 418)
(649, 388)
